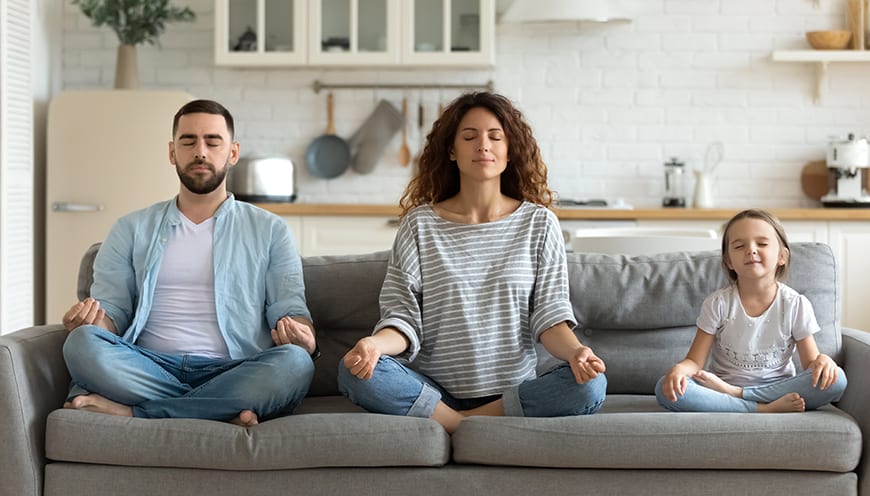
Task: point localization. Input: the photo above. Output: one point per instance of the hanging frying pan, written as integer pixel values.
(328, 156)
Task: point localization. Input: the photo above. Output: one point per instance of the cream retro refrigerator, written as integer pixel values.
(107, 155)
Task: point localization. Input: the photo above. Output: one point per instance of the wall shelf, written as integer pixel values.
(821, 58)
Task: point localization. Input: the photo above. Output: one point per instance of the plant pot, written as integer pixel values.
(126, 68)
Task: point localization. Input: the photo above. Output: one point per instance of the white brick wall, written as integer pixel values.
(609, 104)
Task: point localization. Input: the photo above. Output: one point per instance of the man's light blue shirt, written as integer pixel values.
(257, 272)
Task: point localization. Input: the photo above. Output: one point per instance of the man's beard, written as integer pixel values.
(202, 185)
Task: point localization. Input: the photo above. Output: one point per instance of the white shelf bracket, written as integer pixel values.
(821, 81)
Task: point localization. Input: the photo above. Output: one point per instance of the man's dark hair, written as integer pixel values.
(204, 107)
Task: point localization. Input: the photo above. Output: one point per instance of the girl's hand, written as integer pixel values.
(585, 365)
(674, 383)
(824, 371)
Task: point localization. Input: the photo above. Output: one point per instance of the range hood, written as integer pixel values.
(521, 11)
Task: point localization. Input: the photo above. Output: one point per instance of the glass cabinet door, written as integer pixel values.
(346, 32)
(260, 32)
(449, 32)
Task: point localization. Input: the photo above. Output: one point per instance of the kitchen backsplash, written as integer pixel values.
(609, 103)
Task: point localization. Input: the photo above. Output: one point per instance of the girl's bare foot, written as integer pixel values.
(246, 418)
(791, 402)
(96, 403)
(712, 381)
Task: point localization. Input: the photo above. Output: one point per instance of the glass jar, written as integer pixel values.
(675, 195)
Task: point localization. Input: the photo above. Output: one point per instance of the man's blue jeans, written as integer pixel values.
(160, 385)
(698, 398)
(398, 390)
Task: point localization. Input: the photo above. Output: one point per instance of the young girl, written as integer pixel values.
(750, 330)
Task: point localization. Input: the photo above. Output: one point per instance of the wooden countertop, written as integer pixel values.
(789, 214)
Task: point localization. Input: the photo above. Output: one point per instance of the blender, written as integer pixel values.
(848, 160)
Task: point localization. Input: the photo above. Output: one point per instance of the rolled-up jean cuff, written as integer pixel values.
(513, 407)
(424, 405)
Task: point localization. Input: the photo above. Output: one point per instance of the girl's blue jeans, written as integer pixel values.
(160, 385)
(698, 398)
(398, 390)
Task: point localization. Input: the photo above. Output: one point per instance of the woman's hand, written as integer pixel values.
(289, 331)
(585, 365)
(824, 371)
(362, 358)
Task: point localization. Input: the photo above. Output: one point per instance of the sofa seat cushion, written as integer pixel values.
(633, 432)
(304, 440)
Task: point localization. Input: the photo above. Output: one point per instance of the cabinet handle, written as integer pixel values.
(76, 207)
(393, 223)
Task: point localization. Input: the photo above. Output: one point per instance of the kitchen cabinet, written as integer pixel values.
(340, 235)
(851, 244)
(355, 33)
(822, 58)
(260, 32)
(448, 32)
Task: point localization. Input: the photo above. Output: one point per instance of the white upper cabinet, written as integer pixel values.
(260, 32)
(448, 32)
(434, 33)
(353, 32)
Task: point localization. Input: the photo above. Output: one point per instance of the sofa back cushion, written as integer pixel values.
(638, 313)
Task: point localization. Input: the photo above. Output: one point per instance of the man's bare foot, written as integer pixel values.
(714, 382)
(791, 402)
(96, 403)
(246, 419)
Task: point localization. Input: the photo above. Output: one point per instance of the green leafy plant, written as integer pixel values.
(134, 21)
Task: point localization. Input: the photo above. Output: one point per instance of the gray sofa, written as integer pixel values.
(638, 313)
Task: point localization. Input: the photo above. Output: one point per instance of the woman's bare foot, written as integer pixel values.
(246, 418)
(96, 403)
(791, 402)
(714, 382)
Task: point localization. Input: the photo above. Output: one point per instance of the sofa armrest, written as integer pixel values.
(856, 401)
(33, 382)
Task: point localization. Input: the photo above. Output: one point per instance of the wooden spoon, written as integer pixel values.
(421, 138)
(405, 150)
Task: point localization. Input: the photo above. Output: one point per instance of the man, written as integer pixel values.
(185, 294)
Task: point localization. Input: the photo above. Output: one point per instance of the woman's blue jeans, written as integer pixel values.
(698, 398)
(398, 390)
(160, 385)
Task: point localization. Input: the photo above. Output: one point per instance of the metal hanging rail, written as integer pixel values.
(320, 85)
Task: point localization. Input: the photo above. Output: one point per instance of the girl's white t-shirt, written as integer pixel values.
(749, 351)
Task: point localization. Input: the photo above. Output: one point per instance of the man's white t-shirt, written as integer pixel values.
(183, 320)
(749, 351)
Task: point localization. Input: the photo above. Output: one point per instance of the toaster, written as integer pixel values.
(263, 179)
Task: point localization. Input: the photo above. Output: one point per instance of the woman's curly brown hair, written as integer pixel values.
(437, 177)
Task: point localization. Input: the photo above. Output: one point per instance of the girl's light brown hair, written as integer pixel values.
(754, 213)
(437, 177)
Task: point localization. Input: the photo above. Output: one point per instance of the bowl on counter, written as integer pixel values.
(836, 39)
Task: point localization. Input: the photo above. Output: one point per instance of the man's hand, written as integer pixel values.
(585, 365)
(289, 331)
(87, 312)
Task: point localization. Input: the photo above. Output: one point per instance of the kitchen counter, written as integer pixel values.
(785, 214)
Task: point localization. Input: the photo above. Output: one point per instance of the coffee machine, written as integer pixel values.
(848, 161)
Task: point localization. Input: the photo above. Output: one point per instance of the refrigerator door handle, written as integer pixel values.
(76, 207)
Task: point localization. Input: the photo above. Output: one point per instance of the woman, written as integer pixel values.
(476, 277)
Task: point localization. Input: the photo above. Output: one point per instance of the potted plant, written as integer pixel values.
(135, 22)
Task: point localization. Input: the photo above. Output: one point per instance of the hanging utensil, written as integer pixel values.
(421, 137)
(328, 156)
(405, 150)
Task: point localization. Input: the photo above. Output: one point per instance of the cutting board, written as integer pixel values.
(815, 179)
